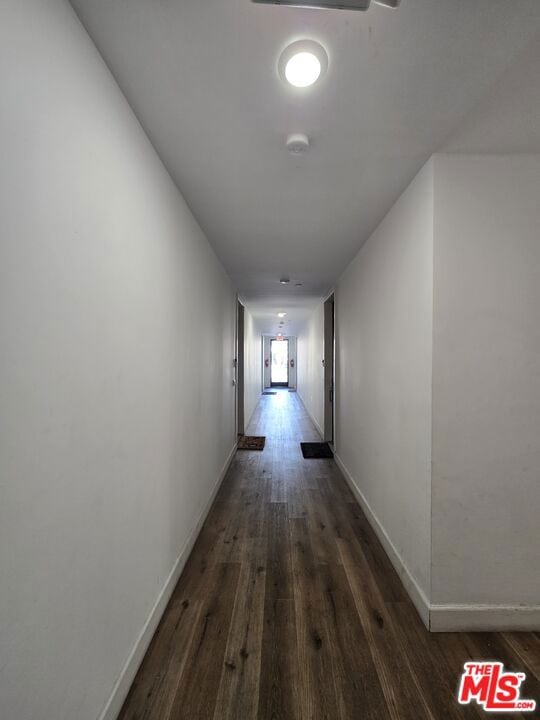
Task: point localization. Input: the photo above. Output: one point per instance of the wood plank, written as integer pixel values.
(279, 583)
(400, 686)
(438, 680)
(278, 692)
(316, 684)
(358, 689)
(320, 528)
(198, 685)
(152, 694)
(349, 522)
(238, 695)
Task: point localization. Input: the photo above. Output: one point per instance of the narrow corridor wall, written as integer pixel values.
(383, 380)
(113, 431)
(486, 392)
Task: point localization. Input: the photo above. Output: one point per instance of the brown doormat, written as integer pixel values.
(316, 450)
(269, 392)
(251, 442)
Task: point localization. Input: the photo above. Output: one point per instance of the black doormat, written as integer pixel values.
(269, 392)
(292, 389)
(316, 450)
(251, 442)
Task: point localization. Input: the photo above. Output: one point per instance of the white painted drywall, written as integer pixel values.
(383, 374)
(486, 380)
(252, 365)
(116, 396)
(310, 376)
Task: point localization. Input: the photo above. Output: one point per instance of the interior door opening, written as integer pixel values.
(239, 369)
(329, 349)
(279, 363)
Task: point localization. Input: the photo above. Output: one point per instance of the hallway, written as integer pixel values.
(289, 607)
(201, 200)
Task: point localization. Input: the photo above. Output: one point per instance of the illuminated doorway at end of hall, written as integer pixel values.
(279, 363)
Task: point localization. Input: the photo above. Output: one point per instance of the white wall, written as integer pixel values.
(113, 432)
(383, 377)
(447, 291)
(310, 376)
(252, 365)
(486, 381)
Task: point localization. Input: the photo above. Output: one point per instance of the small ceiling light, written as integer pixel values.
(281, 314)
(284, 280)
(303, 69)
(298, 284)
(302, 63)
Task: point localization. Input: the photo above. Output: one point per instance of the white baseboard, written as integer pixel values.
(415, 592)
(486, 618)
(127, 675)
(317, 426)
(452, 617)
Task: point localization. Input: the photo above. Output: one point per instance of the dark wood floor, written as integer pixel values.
(288, 607)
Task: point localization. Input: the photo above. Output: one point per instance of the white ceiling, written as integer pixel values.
(201, 76)
(507, 118)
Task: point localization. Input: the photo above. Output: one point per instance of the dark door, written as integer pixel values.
(329, 345)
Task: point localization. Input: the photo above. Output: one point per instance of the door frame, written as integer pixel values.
(329, 369)
(239, 369)
(279, 384)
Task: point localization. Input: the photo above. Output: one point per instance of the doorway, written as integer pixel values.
(239, 365)
(279, 363)
(329, 345)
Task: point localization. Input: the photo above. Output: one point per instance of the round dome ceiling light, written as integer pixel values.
(302, 63)
(303, 69)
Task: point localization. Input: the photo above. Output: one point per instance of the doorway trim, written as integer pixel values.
(329, 350)
(279, 384)
(239, 368)
(265, 356)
